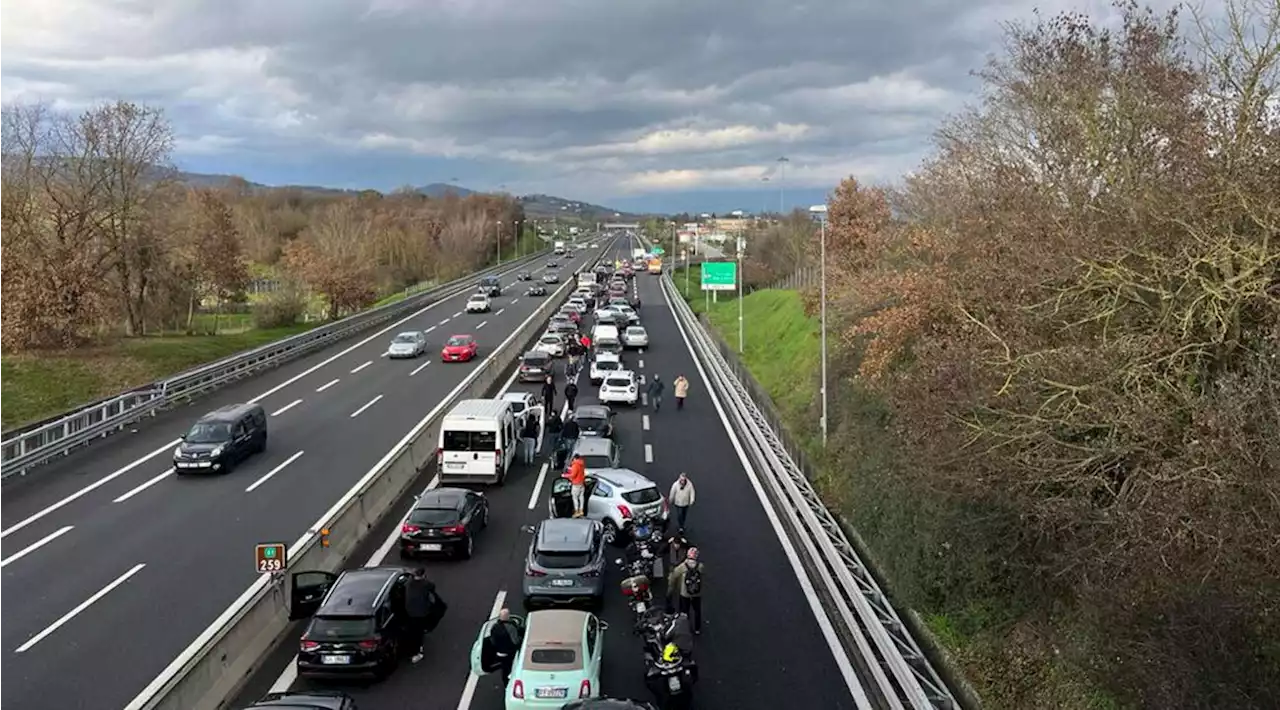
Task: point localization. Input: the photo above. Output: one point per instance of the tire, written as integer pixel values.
(612, 535)
(469, 548)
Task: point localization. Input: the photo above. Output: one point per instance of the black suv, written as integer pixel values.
(221, 439)
(491, 285)
(358, 622)
(306, 700)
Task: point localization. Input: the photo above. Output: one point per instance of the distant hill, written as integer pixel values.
(535, 206)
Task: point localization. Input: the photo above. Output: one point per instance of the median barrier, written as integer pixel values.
(226, 654)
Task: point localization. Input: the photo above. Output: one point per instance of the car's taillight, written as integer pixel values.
(497, 459)
(407, 528)
(585, 690)
(455, 530)
(369, 645)
(531, 572)
(517, 690)
(624, 511)
(308, 645)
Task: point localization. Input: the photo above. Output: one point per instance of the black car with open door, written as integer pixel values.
(359, 627)
(444, 521)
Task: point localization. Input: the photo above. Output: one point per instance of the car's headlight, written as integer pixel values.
(216, 452)
(177, 453)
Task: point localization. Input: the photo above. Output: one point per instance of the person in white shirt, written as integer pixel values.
(682, 498)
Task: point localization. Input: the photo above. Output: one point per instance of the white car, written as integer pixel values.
(479, 303)
(609, 314)
(620, 386)
(604, 364)
(628, 313)
(635, 336)
(410, 344)
(552, 344)
(594, 245)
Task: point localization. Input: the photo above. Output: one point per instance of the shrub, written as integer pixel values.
(280, 309)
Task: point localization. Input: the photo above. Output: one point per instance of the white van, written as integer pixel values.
(605, 339)
(479, 440)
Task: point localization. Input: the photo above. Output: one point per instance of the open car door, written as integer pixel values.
(539, 411)
(484, 659)
(306, 590)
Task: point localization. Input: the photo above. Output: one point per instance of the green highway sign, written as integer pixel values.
(659, 251)
(719, 276)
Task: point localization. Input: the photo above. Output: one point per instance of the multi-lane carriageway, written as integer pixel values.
(106, 583)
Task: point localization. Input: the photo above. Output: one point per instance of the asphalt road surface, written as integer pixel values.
(112, 566)
(761, 647)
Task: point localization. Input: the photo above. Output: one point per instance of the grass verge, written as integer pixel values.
(937, 555)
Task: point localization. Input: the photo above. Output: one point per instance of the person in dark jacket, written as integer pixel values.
(506, 636)
(656, 387)
(571, 394)
(529, 438)
(569, 434)
(423, 607)
(549, 394)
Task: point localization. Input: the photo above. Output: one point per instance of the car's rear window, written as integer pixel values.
(554, 656)
(562, 560)
(330, 627)
(538, 359)
(618, 382)
(436, 516)
(470, 441)
(642, 496)
(607, 365)
(596, 461)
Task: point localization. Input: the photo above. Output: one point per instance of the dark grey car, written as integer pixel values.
(565, 564)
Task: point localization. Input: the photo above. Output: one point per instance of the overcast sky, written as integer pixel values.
(651, 104)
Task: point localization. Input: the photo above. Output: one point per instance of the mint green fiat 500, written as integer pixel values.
(558, 660)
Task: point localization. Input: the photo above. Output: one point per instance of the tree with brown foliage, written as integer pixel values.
(332, 256)
(205, 250)
(776, 250)
(1077, 322)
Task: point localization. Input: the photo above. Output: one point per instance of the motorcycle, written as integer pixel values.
(670, 680)
(645, 543)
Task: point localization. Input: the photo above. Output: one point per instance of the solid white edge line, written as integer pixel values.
(361, 367)
(289, 675)
(648, 453)
(797, 567)
(469, 690)
(329, 384)
(36, 545)
(267, 476)
(79, 608)
(419, 368)
(368, 404)
(144, 486)
(286, 407)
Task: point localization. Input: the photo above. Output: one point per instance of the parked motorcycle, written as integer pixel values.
(646, 540)
(670, 677)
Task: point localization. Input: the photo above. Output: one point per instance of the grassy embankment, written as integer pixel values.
(957, 595)
(40, 385)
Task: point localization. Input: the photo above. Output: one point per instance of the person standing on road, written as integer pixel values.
(685, 582)
(682, 497)
(529, 438)
(571, 395)
(569, 433)
(549, 394)
(681, 386)
(423, 607)
(505, 637)
(577, 475)
(656, 386)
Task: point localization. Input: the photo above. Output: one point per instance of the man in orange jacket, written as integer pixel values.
(577, 475)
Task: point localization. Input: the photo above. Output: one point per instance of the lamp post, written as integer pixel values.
(498, 234)
(742, 243)
(782, 186)
(821, 212)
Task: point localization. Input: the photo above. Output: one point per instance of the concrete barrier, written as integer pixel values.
(223, 657)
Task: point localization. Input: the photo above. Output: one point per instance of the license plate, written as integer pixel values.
(454, 464)
(186, 465)
(562, 582)
(430, 547)
(335, 660)
(673, 684)
(551, 693)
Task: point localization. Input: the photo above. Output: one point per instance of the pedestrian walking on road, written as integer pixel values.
(505, 637)
(424, 609)
(549, 394)
(571, 395)
(681, 387)
(682, 497)
(685, 582)
(569, 433)
(529, 438)
(656, 386)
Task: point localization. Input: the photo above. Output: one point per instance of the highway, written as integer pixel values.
(112, 566)
(763, 646)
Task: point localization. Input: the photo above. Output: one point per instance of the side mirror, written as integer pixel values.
(182, 438)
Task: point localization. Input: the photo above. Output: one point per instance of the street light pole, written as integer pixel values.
(498, 234)
(741, 321)
(782, 186)
(822, 309)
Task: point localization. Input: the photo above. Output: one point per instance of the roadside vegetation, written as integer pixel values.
(1056, 403)
(116, 273)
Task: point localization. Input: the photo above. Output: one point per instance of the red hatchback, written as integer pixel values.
(459, 348)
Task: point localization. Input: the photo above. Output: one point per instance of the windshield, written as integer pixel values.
(457, 341)
(551, 339)
(590, 421)
(607, 365)
(478, 298)
(432, 517)
(404, 338)
(209, 433)
(540, 359)
(635, 331)
(470, 441)
(618, 382)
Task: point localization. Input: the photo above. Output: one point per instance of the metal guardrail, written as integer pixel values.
(896, 670)
(31, 446)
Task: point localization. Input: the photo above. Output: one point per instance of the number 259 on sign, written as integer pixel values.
(271, 557)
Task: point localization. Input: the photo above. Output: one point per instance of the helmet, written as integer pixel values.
(671, 653)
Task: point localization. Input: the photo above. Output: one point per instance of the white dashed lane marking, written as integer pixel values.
(327, 385)
(360, 411)
(362, 367)
(287, 407)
